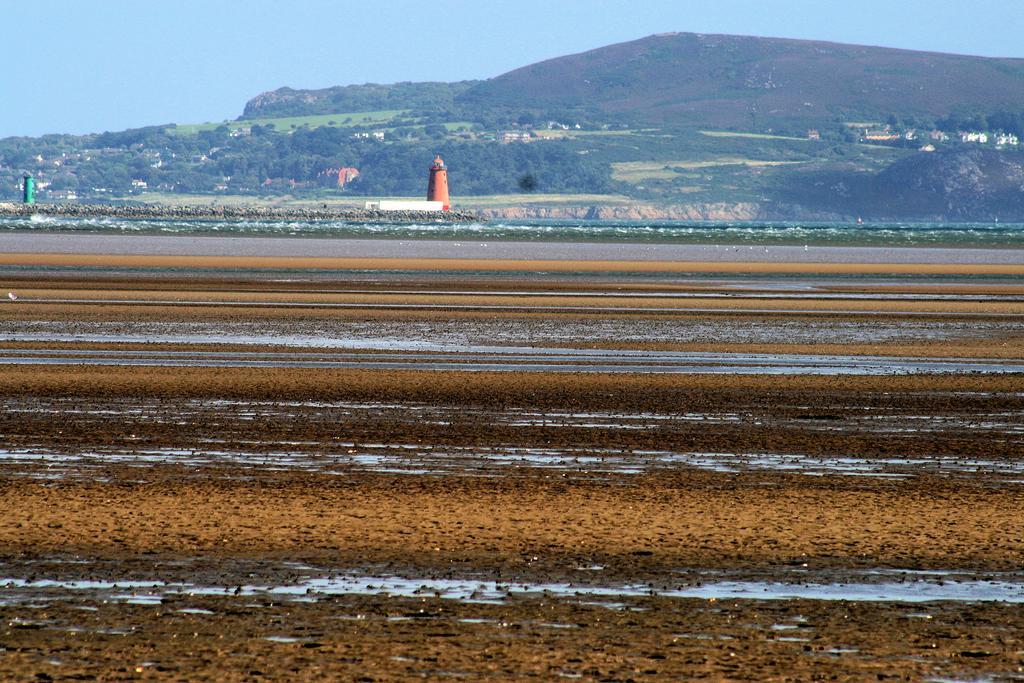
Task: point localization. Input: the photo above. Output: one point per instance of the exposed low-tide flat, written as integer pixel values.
(231, 458)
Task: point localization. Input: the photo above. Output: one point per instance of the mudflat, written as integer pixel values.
(252, 521)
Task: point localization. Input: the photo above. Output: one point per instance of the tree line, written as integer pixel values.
(218, 160)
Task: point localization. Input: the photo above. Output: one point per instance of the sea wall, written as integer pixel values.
(255, 213)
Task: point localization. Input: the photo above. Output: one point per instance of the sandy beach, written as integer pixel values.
(251, 520)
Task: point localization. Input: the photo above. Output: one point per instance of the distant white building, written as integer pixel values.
(508, 136)
(1004, 139)
(880, 135)
(975, 137)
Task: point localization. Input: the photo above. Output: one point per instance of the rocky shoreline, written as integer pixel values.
(713, 211)
(256, 213)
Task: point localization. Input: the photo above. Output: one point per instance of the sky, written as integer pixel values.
(83, 66)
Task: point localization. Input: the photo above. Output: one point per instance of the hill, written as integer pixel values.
(741, 81)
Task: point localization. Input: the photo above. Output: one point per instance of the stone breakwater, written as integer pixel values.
(251, 213)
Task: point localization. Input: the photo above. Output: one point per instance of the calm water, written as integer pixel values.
(991, 235)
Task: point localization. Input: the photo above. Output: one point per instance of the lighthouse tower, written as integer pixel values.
(437, 189)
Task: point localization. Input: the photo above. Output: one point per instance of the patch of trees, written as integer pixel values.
(478, 168)
(1007, 121)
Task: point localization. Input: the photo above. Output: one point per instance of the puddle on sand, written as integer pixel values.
(528, 359)
(459, 334)
(852, 418)
(877, 586)
(416, 459)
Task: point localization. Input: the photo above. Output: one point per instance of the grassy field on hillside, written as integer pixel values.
(507, 200)
(363, 118)
(563, 134)
(639, 171)
(753, 136)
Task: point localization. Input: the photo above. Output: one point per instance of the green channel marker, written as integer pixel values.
(30, 190)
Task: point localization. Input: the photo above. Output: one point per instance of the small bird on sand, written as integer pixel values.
(12, 296)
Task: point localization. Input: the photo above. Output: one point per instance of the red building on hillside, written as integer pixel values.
(338, 176)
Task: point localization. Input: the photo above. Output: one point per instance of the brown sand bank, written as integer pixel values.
(489, 283)
(622, 303)
(655, 523)
(541, 390)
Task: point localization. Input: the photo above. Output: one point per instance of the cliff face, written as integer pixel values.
(719, 211)
(975, 184)
(957, 185)
(267, 101)
(634, 212)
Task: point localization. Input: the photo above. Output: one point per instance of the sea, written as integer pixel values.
(948, 235)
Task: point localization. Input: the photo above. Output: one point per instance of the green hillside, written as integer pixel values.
(286, 123)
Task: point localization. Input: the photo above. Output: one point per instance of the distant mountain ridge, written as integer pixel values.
(737, 80)
(355, 98)
(708, 80)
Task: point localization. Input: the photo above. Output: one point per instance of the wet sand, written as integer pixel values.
(367, 638)
(246, 485)
(723, 265)
(562, 256)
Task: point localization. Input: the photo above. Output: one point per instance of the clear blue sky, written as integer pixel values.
(77, 66)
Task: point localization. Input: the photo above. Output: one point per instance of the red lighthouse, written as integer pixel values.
(437, 189)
